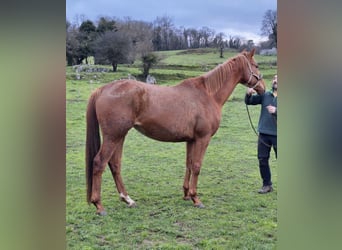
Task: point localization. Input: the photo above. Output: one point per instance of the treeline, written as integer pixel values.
(113, 41)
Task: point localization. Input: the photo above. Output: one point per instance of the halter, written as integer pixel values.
(258, 77)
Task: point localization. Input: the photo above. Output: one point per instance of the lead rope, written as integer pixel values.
(250, 121)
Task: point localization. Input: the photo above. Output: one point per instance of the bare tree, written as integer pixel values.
(178, 40)
(194, 40)
(219, 42)
(140, 33)
(72, 44)
(113, 48)
(206, 35)
(163, 27)
(269, 26)
(234, 42)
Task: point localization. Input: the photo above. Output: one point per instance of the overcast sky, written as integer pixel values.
(233, 17)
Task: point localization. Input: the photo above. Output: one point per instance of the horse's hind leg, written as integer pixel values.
(100, 162)
(115, 167)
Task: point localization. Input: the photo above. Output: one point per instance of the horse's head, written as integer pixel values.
(251, 76)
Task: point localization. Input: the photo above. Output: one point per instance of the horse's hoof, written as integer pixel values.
(132, 205)
(102, 213)
(200, 205)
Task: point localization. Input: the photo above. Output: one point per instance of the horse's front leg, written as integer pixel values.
(187, 174)
(195, 154)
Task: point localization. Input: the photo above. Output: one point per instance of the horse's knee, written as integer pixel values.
(196, 169)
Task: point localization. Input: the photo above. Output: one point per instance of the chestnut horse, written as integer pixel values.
(188, 112)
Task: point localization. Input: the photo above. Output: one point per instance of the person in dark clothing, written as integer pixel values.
(267, 129)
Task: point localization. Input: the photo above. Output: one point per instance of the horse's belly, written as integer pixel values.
(161, 133)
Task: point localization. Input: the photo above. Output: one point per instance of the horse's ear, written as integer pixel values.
(244, 52)
(251, 54)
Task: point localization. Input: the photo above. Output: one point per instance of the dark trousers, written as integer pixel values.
(265, 142)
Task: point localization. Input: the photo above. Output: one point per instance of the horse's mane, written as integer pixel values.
(214, 79)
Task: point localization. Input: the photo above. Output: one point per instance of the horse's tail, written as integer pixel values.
(93, 141)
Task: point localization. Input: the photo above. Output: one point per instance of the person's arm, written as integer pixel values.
(251, 98)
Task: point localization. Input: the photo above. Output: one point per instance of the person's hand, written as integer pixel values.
(250, 91)
(271, 109)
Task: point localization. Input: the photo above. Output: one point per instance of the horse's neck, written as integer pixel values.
(221, 81)
(222, 96)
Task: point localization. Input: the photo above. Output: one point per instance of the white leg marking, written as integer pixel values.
(127, 199)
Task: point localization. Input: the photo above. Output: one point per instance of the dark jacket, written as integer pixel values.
(267, 122)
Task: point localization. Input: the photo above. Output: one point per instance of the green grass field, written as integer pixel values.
(235, 217)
